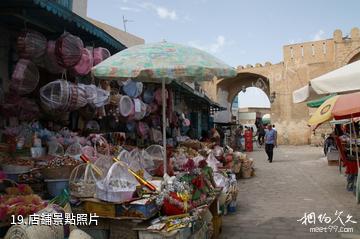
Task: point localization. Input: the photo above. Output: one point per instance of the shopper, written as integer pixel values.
(270, 142)
(261, 134)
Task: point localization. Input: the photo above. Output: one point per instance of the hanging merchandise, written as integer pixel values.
(118, 186)
(133, 88)
(68, 50)
(85, 64)
(140, 109)
(131, 126)
(51, 63)
(154, 107)
(96, 96)
(100, 54)
(25, 77)
(126, 106)
(31, 45)
(143, 130)
(63, 96)
(148, 96)
(158, 96)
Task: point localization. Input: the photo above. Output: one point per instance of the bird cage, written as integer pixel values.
(83, 178)
(118, 185)
(25, 77)
(100, 54)
(68, 50)
(31, 45)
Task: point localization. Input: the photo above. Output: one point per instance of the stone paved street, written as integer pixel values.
(298, 181)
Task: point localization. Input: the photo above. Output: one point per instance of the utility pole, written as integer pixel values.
(125, 21)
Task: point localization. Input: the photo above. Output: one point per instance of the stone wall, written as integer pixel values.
(301, 63)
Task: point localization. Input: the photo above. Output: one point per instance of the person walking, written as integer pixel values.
(270, 142)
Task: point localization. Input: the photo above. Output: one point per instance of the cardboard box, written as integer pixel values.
(142, 208)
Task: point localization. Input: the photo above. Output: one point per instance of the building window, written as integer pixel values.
(312, 49)
(291, 52)
(324, 48)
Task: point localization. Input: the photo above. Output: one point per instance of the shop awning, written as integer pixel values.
(344, 79)
(202, 98)
(316, 103)
(53, 19)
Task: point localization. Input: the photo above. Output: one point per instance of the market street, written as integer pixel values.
(298, 181)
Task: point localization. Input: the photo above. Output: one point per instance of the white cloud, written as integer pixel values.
(130, 9)
(213, 48)
(319, 35)
(162, 12)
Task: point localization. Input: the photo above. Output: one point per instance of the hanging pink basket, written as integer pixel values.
(31, 45)
(25, 77)
(100, 54)
(85, 64)
(51, 63)
(158, 96)
(143, 129)
(68, 50)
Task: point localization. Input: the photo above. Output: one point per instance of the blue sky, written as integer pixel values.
(238, 32)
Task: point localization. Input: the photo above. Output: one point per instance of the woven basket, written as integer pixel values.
(51, 63)
(100, 54)
(31, 45)
(25, 77)
(82, 180)
(68, 50)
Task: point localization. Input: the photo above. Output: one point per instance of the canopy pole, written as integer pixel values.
(357, 161)
(164, 123)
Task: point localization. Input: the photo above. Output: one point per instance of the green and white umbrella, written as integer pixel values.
(162, 63)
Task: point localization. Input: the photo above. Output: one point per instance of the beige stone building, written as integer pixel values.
(301, 63)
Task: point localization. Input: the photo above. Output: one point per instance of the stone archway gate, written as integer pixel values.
(301, 63)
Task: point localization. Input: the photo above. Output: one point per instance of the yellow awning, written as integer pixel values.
(323, 113)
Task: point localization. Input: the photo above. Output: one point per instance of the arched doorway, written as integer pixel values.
(354, 58)
(228, 89)
(250, 105)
